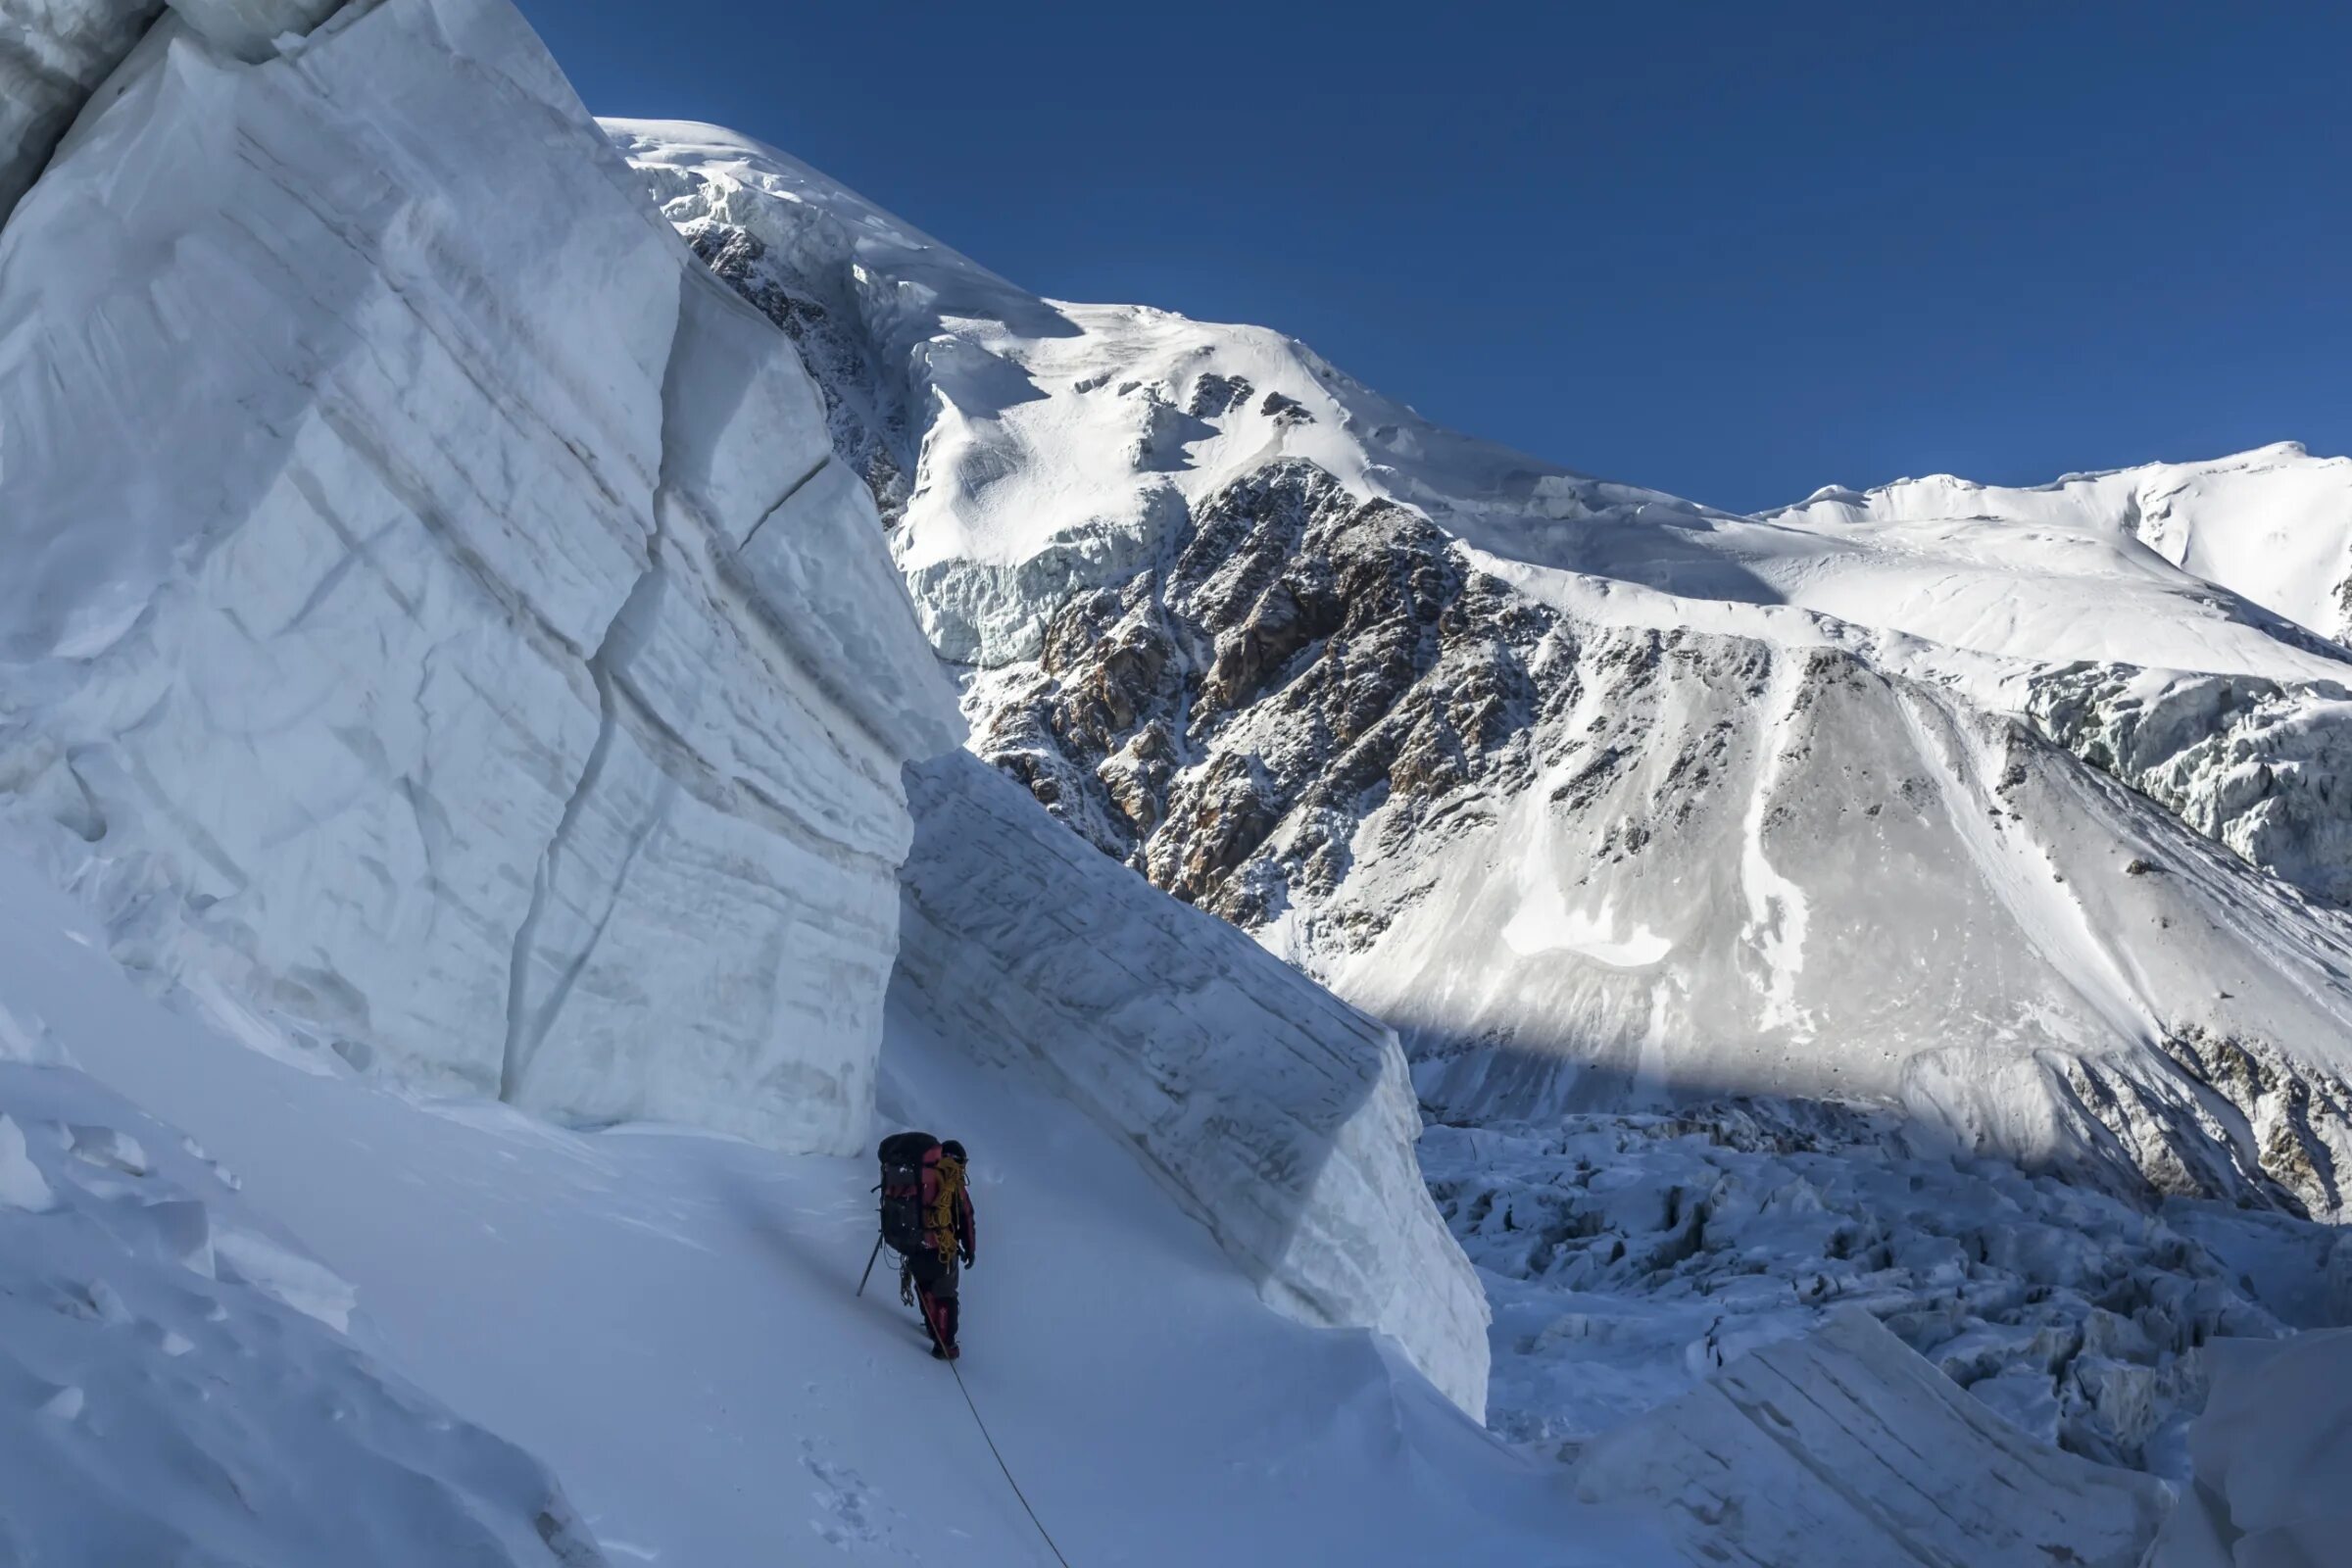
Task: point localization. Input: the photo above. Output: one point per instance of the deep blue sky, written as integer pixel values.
(1735, 250)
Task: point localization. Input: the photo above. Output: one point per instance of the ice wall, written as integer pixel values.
(1843, 1446)
(2271, 1453)
(433, 599)
(1279, 1116)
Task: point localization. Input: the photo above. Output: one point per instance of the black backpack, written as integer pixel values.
(902, 1189)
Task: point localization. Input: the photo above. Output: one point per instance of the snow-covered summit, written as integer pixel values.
(2273, 525)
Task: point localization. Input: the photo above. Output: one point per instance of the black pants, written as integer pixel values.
(935, 1280)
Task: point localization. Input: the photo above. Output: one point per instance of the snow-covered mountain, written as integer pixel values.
(1598, 793)
(1941, 817)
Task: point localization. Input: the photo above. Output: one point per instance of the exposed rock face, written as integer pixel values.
(502, 684)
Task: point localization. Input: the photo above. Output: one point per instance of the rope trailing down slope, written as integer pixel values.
(1043, 1532)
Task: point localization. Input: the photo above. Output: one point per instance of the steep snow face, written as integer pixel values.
(1277, 1115)
(434, 602)
(1602, 797)
(2274, 525)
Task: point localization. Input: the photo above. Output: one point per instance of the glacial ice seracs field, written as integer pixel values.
(558, 679)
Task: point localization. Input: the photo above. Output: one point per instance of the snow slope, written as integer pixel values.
(494, 680)
(175, 1382)
(1279, 1116)
(2274, 525)
(668, 1319)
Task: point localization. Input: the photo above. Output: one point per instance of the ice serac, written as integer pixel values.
(1843, 1446)
(1276, 1114)
(53, 55)
(435, 604)
(2270, 1452)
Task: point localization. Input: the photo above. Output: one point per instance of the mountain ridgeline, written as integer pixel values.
(1971, 805)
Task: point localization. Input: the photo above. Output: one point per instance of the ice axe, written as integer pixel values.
(869, 1265)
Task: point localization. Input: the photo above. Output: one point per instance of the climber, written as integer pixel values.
(927, 1220)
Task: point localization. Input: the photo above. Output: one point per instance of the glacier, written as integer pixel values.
(468, 664)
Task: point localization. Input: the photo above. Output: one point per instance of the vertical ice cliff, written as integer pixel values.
(433, 600)
(1276, 1114)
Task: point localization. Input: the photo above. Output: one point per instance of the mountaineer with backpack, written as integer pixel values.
(927, 1220)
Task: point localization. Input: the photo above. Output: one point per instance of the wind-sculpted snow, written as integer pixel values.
(1843, 1446)
(434, 599)
(177, 1383)
(1276, 1114)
